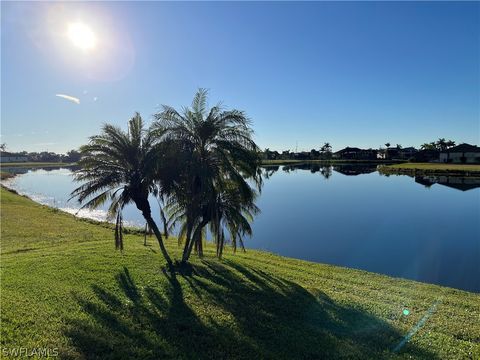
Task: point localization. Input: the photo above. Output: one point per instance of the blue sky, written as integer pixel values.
(357, 74)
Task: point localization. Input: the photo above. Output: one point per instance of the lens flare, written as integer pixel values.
(81, 36)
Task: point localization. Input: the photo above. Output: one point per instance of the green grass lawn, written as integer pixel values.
(64, 286)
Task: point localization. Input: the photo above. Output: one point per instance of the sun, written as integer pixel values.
(81, 36)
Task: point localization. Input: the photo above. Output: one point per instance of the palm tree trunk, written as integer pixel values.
(145, 235)
(196, 236)
(158, 235)
(188, 240)
(222, 242)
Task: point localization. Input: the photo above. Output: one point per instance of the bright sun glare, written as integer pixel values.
(81, 36)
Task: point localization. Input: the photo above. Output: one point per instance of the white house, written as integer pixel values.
(463, 153)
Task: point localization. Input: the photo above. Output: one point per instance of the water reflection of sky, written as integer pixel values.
(392, 225)
(52, 187)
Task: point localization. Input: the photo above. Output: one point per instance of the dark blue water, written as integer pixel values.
(425, 229)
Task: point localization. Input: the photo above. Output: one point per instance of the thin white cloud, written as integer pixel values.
(69, 98)
(95, 98)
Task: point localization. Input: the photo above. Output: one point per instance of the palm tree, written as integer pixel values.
(442, 144)
(326, 150)
(218, 153)
(121, 168)
(233, 211)
(429, 146)
(450, 143)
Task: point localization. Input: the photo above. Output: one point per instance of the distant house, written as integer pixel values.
(407, 153)
(353, 153)
(388, 153)
(463, 153)
(301, 155)
(429, 155)
(6, 157)
(396, 153)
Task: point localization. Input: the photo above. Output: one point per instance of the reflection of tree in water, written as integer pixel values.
(268, 171)
(18, 170)
(462, 183)
(324, 169)
(353, 170)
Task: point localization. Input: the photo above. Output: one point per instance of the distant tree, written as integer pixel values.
(428, 146)
(399, 146)
(387, 144)
(73, 156)
(450, 143)
(3, 147)
(314, 154)
(326, 150)
(441, 144)
(286, 155)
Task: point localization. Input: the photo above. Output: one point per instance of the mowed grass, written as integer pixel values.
(64, 286)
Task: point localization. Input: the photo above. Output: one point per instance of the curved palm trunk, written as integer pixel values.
(158, 235)
(143, 205)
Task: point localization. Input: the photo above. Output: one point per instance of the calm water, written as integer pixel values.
(426, 229)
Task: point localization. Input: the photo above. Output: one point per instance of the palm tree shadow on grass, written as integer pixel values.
(257, 315)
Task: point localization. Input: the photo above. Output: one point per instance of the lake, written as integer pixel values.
(422, 228)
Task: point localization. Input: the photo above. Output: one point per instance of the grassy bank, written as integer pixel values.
(432, 168)
(63, 286)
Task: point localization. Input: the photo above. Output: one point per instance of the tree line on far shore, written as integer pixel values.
(324, 152)
(44, 156)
